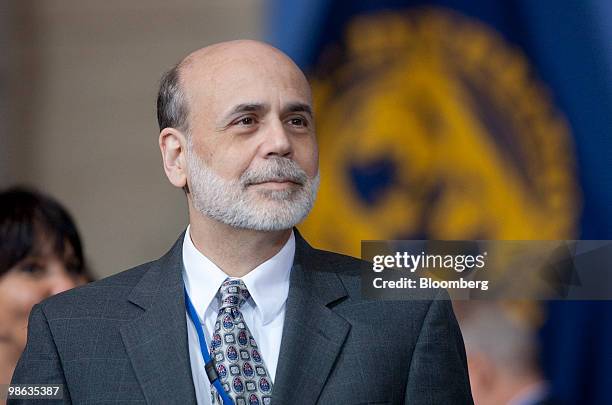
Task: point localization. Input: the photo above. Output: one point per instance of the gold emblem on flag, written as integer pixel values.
(432, 126)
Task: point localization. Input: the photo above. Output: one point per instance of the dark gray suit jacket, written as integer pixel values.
(124, 339)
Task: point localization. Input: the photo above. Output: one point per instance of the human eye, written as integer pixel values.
(298, 122)
(245, 121)
(32, 267)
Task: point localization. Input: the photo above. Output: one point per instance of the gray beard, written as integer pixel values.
(230, 202)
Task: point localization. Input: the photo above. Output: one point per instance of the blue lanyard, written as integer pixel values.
(207, 360)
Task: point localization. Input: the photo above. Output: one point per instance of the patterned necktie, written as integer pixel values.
(239, 364)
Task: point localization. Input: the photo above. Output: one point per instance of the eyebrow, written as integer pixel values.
(247, 107)
(297, 107)
(239, 109)
(260, 107)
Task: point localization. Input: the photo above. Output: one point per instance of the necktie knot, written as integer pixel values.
(232, 294)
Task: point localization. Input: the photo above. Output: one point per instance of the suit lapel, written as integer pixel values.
(156, 343)
(313, 334)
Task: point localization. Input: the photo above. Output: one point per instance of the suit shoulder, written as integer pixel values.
(349, 269)
(347, 265)
(96, 294)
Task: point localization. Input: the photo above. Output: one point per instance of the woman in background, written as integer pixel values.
(40, 255)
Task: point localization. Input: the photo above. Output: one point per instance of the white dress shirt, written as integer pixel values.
(264, 312)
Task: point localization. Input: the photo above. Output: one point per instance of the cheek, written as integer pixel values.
(234, 169)
(232, 162)
(307, 156)
(17, 297)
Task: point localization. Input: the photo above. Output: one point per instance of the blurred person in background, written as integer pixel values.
(503, 357)
(40, 255)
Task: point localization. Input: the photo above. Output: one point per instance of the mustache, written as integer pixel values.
(279, 169)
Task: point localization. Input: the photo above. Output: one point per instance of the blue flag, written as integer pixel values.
(466, 120)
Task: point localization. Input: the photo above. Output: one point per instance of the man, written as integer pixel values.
(503, 356)
(271, 319)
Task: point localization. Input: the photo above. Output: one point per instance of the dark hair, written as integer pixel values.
(29, 221)
(171, 105)
(172, 111)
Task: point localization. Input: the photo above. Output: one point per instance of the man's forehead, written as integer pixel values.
(241, 67)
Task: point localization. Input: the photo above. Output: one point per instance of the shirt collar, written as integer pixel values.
(267, 283)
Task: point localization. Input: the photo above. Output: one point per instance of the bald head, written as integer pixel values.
(227, 54)
(206, 70)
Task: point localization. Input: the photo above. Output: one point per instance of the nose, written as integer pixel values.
(277, 142)
(60, 282)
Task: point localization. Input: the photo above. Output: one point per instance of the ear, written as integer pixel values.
(173, 146)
